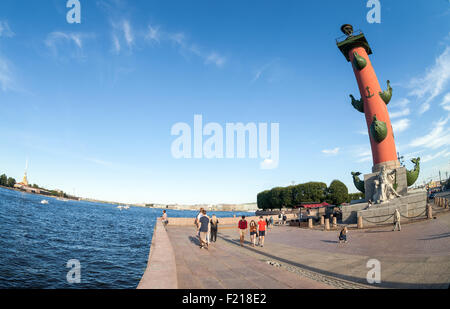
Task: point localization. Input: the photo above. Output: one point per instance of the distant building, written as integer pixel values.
(24, 185)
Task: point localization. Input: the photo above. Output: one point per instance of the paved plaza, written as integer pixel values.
(416, 257)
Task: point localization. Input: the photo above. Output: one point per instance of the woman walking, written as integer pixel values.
(214, 227)
(253, 232)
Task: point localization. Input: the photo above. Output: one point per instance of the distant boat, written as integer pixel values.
(44, 202)
(120, 207)
(123, 207)
(62, 199)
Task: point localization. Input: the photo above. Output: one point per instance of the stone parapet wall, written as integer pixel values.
(161, 272)
(410, 206)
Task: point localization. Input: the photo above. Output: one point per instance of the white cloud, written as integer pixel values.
(401, 113)
(401, 103)
(216, 59)
(443, 153)
(66, 44)
(334, 151)
(364, 156)
(116, 43)
(439, 136)
(122, 32)
(128, 34)
(434, 82)
(5, 30)
(400, 125)
(446, 102)
(6, 78)
(153, 34)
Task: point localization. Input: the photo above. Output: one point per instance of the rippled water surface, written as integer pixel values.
(37, 241)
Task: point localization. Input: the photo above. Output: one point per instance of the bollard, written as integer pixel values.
(322, 220)
(429, 212)
(360, 222)
(334, 222)
(327, 224)
(310, 223)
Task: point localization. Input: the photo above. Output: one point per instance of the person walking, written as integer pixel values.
(242, 229)
(214, 227)
(253, 232)
(164, 218)
(343, 235)
(284, 219)
(279, 218)
(397, 221)
(261, 231)
(270, 222)
(203, 230)
(197, 221)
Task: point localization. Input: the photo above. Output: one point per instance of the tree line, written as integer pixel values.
(6, 181)
(311, 192)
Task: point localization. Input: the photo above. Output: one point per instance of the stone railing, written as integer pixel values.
(161, 272)
(223, 221)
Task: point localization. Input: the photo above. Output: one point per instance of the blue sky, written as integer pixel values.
(91, 105)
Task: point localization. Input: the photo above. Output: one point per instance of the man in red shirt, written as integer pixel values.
(262, 230)
(242, 229)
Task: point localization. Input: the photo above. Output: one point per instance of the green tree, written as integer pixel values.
(337, 193)
(314, 192)
(286, 197)
(275, 198)
(11, 182)
(263, 200)
(3, 180)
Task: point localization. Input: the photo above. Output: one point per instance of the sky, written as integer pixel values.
(91, 105)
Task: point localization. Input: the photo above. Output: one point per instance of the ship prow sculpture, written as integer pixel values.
(388, 183)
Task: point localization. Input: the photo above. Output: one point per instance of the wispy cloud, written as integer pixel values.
(446, 102)
(6, 76)
(364, 156)
(439, 136)
(59, 42)
(179, 40)
(260, 71)
(443, 153)
(122, 33)
(332, 152)
(401, 113)
(5, 30)
(400, 125)
(153, 34)
(434, 82)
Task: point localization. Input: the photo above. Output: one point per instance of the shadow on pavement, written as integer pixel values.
(384, 284)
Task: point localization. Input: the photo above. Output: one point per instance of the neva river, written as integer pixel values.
(38, 240)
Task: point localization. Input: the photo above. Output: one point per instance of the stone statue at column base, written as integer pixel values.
(383, 186)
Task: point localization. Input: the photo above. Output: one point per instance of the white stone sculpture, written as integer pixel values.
(384, 190)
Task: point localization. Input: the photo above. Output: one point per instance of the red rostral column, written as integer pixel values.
(373, 102)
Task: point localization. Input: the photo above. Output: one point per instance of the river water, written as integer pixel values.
(37, 241)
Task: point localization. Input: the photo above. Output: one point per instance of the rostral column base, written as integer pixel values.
(390, 165)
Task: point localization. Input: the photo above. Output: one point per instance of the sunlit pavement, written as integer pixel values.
(416, 257)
